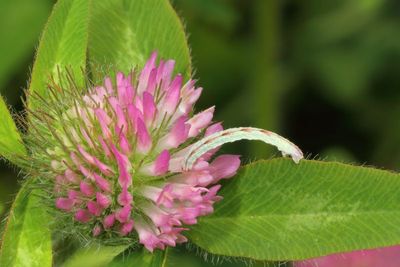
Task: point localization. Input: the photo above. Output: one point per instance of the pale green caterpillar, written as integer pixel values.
(241, 133)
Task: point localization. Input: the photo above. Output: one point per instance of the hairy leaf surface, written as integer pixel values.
(277, 210)
(11, 144)
(27, 239)
(93, 256)
(124, 33)
(63, 45)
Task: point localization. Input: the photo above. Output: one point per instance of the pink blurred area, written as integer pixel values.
(383, 257)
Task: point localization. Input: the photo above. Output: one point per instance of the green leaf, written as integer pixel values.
(277, 210)
(11, 144)
(63, 44)
(142, 258)
(94, 256)
(176, 257)
(27, 239)
(124, 33)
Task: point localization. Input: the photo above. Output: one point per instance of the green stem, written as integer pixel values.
(266, 86)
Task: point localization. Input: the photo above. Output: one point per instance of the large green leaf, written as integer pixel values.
(177, 257)
(94, 256)
(63, 44)
(11, 144)
(142, 258)
(124, 33)
(27, 238)
(277, 210)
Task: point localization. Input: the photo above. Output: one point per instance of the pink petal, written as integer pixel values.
(217, 127)
(188, 215)
(75, 159)
(74, 196)
(159, 166)
(123, 214)
(124, 144)
(108, 221)
(159, 71)
(134, 114)
(105, 147)
(195, 178)
(82, 216)
(173, 94)
(143, 137)
(102, 183)
(119, 113)
(71, 176)
(126, 228)
(125, 198)
(166, 197)
(125, 89)
(200, 121)
(385, 257)
(161, 163)
(160, 218)
(211, 195)
(94, 208)
(145, 74)
(97, 230)
(103, 200)
(106, 170)
(108, 84)
(149, 108)
(64, 203)
(147, 237)
(139, 103)
(189, 97)
(88, 174)
(152, 83)
(87, 138)
(178, 134)
(151, 192)
(164, 76)
(104, 120)
(124, 178)
(225, 166)
(214, 128)
(86, 189)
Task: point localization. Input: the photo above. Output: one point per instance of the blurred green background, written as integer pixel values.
(322, 73)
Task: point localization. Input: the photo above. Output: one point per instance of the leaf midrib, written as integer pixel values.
(311, 214)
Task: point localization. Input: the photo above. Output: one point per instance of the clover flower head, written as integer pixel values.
(118, 166)
(122, 160)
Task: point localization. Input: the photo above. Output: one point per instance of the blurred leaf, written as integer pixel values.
(179, 257)
(142, 258)
(277, 210)
(63, 44)
(16, 41)
(27, 238)
(338, 153)
(94, 256)
(124, 33)
(337, 44)
(220, 14)
(340, 20)
(11, 144)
